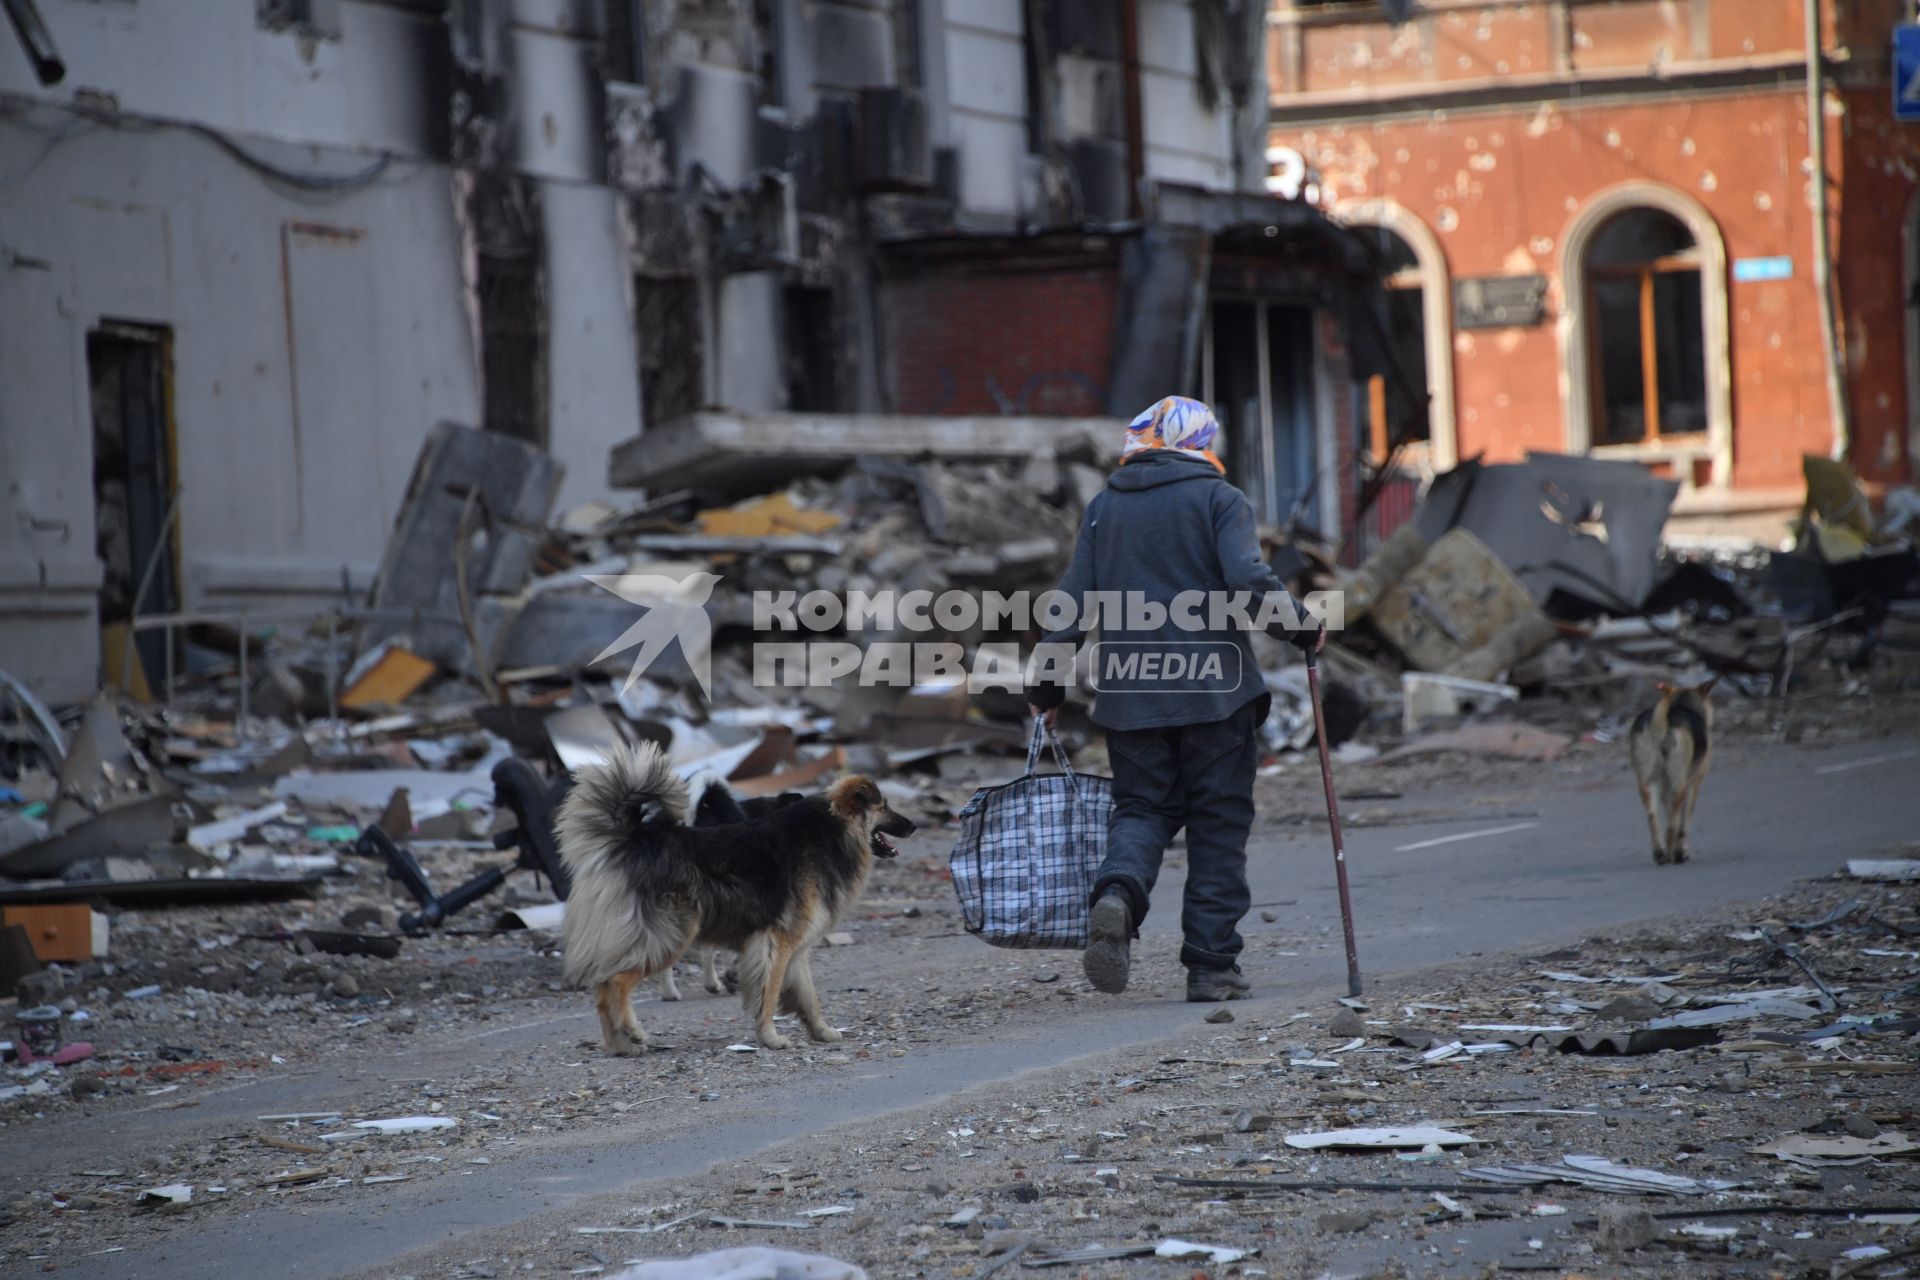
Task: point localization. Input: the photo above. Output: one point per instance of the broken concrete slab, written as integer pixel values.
(1622, 1230)
(416, 596)
(99, 770)
(1456, 600)
(1389, 562)
(127, 831)
(1513, 644)
(733, 455)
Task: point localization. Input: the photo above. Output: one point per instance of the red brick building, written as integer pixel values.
(1599, 223)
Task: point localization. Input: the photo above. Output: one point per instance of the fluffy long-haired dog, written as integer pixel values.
(1671, 746)
(647, 886)
(716, 806)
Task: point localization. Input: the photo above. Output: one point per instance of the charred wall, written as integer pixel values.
(1029, 330)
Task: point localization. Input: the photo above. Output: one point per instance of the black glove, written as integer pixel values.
(1305, 639)
(1046, 697)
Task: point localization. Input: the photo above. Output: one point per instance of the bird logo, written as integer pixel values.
(676, 609)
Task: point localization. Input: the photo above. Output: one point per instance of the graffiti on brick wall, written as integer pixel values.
(1059, 393)
(1055, 393)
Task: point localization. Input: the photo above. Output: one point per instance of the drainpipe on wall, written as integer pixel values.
(48, 67)
(1822, 252)
(1130, 93)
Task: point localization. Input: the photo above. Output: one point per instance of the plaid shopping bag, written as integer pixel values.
(1028, 852)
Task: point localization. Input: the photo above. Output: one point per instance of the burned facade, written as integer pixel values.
(1600, 229)
(250, 255)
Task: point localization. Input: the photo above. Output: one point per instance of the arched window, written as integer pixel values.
(1646, 332)
(1643, 332)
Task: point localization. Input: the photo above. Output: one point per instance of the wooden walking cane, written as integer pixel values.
(1333, 813)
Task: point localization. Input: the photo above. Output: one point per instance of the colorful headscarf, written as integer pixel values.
(1177, 423)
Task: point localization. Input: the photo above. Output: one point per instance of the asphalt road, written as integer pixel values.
(1551, 869)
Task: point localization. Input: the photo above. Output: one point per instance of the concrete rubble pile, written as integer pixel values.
(1543, 592)
(349, 849)
(349, 788)
(1521, 606)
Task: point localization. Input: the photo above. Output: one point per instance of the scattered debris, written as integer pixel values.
(1187, 1249)
(406, 1124)
(1817, 1151)
(1600, 1174)
(1426, 696)
(744, 1264)
(1885, 870)
(1623, 1230)
(286, 882)
(1412, 1138)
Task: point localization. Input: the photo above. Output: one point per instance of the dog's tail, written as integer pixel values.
(619, 915)
(713, 802)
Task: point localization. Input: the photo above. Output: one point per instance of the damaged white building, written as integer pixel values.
(252, 251)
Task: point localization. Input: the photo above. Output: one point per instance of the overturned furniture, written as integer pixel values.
(516, 787)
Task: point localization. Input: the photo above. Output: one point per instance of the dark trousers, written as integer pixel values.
(1199, 777)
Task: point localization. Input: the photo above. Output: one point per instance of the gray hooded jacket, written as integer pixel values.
(1166, 524)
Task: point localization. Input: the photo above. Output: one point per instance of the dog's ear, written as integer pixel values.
(852, 796)
(1704, 689)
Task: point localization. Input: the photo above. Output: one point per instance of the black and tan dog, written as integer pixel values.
(647, 886)
(717, 806)
(1671, 747)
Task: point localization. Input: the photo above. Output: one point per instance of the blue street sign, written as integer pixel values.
(1906, 71)
(1757, 270)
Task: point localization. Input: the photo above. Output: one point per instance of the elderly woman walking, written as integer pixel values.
(1176, 689)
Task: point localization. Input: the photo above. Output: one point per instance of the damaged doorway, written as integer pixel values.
(1913, 330)
(129, 372)
(1259, 375)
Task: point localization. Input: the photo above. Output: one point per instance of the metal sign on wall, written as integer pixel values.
(1499, 302)
(1906, 72)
